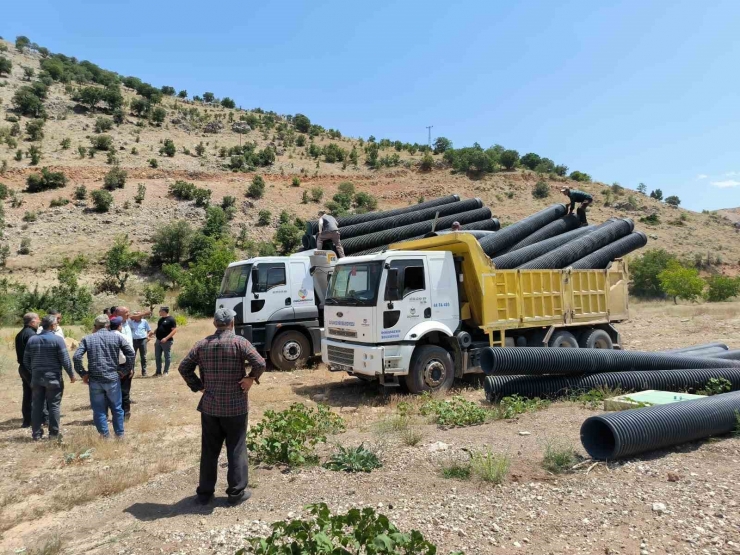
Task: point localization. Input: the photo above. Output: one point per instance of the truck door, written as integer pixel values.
(302, 291)
(414, 304)
(270, 296)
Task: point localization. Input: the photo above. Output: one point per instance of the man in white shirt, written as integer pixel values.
(58, 331)
(125, 330)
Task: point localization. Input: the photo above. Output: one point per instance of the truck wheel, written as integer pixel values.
(431, 370)
(563, 338)
(595, 339)
(289, 349)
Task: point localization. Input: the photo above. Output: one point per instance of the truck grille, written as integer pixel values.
(341, 355)
(342, 333)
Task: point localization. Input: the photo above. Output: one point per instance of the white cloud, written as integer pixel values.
(725, 184)
(702, 176)
(730, 174)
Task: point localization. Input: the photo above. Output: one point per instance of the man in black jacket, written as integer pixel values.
(30, 326)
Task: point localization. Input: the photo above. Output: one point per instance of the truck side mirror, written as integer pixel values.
(255, 280)
(391, 285)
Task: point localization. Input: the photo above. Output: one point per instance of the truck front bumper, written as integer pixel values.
(367, 360)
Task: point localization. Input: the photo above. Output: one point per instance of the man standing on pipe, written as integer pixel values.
(578, 196)
(329, 230)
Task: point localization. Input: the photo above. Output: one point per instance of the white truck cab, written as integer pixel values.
(278, 302)
(380, 311)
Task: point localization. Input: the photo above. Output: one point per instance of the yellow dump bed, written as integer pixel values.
(499, 300)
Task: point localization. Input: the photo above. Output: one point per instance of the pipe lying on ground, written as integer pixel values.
(427, 214)
(488, 226)
(512, 259)
(733, 354)
(710, 352)
(519, 230)
(497, 387)
(312, 227)
(564, 256)
(601, 258)
(630, 432)
(395, 234)
(558, 227)
(513, 361)
(698, 347)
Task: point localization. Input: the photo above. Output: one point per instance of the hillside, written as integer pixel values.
(76, 229)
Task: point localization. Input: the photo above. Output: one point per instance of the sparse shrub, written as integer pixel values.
(6, 66)
(29, 217)
(172, 242)
(153, 163)
(559, 458)
(216, 225)
(120, 261)
(103, 124)
(427, 162)
(673, 200)
(60, 201)
(256, 189)
(353, 459)
(454, 469)
(102, 200)
(264, 218)
(642, 188)
(366, 201)
(45, 180)
(82, 151)
(317, 193)
(509, 407)
(134, 150)
(80, 192)
(490, 467)
(34, 153)
(35, 129)
(183, 190)
(722, 288)
(168, 148)
(716, 386)
(158, 115)
(25, 247)
(657, 194)
(617, 189)
(266, 248)
(102, 142)
(289, 436)
(115, 178)
(295, 182)
(66, 143)
(580, 177)
(651, 219)
(304, 197)
(288, 236)
(140, 193)
(4, 192)
(202, 197)
(200, 149)
(18, 155)
(541, 190)
(454, 412)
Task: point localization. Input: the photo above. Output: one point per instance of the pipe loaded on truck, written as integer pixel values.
(419, 314)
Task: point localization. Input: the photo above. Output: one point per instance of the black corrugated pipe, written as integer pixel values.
(698, 347)
(519, 230)
(394, 234)
(312, 227)
(366, 228)
(600, 259)
(558, 227)
(512, 259)
(710, 352)
(497, 387)
(564, 256)
(488, 226)
(513, 361)
(734, 354)
(629, 432)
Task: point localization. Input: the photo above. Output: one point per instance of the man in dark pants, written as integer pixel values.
(329, 230)
(224, 405)
(578, 196)
(45, 356)
(165, 333)
(125, 371)
(30, 325)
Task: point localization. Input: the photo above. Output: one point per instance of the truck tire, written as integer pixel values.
(563, 338)
(595, 339)
(431, 370)
(289, 349)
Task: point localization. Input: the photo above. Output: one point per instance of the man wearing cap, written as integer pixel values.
(125, 374)
(578, 196)
(329, 230)
(222, 358)
(103, 348)
(165, 332)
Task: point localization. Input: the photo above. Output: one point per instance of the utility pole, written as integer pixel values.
(429, 130)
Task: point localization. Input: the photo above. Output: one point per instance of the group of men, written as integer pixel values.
(222, 359)
(111, 354)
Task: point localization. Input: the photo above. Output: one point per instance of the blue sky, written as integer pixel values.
(631, 92)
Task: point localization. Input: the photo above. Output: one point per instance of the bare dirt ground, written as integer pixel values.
(135, 497)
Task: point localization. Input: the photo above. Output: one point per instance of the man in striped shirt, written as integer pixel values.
(222, 358)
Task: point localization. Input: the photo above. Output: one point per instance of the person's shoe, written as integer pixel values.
(143, 373)
(26, 425)
(157, 374)
(203, 499)
(127, 416)
(166, 372)
(132, 402)
(239, 497)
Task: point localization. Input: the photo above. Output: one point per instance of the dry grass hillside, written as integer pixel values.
(74, 228)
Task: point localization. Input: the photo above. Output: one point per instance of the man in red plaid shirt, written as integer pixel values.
(222, 358)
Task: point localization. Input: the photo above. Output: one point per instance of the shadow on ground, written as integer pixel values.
(149, 512)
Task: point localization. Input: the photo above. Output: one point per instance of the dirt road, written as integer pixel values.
(136, 497)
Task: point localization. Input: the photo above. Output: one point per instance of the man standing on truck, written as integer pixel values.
(578, 196)
(329, 229)
(222, 358)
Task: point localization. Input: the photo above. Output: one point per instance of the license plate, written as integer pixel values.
(340, 368)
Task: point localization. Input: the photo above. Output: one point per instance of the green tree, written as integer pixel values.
(301, 123)
(103, 124)
(642, 188)
(657, 194)
(115, 178)
(141, 106)
(226, 102)
(208, 97)
(153, 295)
(681, 282)
(168, 148)
(347, 188)
(6, 65)
(722, 288)
(217, 224)
(21, 43)
(442, 145)
(202, 281)
(172, 242)
(509, 159)
(114, 99)
(366, 201)
(45, 180)
(264, 218)
(561, 170)
(90, 96)
(202, 197)
(102, 200)
(200, 149)
(168, 91)
(673, 200)
(102, 142)
(427, 162)
(289, 236)
(158, 115)
(541, 190)
(182, 94)
(27, 102)
(256, 189)
(530, 160)
(644, 271)
(120, 261)
(580, 177)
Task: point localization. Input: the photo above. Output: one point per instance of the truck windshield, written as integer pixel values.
(355, 284)
(235, 281)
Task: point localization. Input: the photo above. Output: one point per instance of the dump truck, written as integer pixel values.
(279, 301)
(419, 314)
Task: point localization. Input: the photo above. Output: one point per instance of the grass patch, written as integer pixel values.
(353, 459)
(559, 458)
(509, 407)
(411, 436)
(456, 412)
(594, 398)
(393, 424)
(489, 466)
(456, 470)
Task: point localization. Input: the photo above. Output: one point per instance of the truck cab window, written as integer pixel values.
(235, 281)
(411, 275)
(270, 276)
